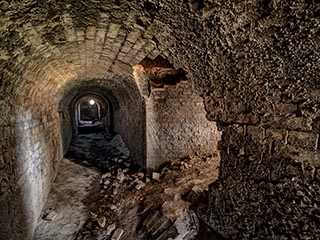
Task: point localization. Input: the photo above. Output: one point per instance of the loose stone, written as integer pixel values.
(117, 234)
(50, 216)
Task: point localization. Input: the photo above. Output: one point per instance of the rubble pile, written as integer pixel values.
(127, 202)
(152, 205)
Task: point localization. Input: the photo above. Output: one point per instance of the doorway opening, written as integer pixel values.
(89, 115)
(92, 114)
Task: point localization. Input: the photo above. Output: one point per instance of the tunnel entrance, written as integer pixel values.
(91, 115)
(94, 140)
(115, 111)
(89, 112)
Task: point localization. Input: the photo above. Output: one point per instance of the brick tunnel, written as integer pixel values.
(173, 78)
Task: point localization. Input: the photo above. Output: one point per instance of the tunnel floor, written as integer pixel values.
(99, 194)
(77, 183)
(69, 201)
(105, 151)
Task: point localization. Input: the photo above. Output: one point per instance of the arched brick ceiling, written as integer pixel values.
(222, 45)
(117, 89)
(41, 56)
(231, 51)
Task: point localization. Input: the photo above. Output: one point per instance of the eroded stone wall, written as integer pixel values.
(269, 184)
(267, 106)
(177, 125)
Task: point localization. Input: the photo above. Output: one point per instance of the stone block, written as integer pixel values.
(100, 35)
(140, 185)
(117, 234)
(110, 229)
(155, 176)
(91, 32)
(305, 140)
(187, 225)
(151, 219)
(50, 216)
(133, 36)
(102, 222)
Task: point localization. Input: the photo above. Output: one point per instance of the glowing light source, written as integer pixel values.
(92, 102)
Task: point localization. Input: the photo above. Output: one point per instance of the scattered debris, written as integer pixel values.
(140, 185)
(132, 204)
(155, 176)
(187, 225)
(106, 175)
(117, 234)
(50, 216)
(102, 150)
(102, 222)
(144, 209)
(120, 176)
(111, 228)
(106, 182)
(113, 207)
(140, 175)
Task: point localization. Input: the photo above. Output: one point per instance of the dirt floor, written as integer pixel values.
(121, 201)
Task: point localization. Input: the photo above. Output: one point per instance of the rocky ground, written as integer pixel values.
(125, 202)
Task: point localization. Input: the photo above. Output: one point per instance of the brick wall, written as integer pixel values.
(177, 125)
(130, 123)
(35, 151)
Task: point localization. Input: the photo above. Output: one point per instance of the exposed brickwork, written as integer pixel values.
(177, 125)
(36, 146)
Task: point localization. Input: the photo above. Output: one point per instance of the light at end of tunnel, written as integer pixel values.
(92, 102)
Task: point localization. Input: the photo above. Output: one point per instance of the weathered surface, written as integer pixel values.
(255, 63)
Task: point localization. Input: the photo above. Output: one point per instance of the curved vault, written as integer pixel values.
(44, 77)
